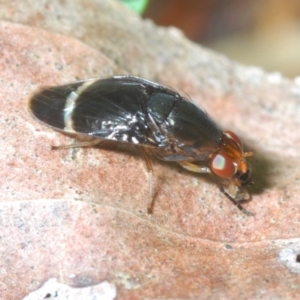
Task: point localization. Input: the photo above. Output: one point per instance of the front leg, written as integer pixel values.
(229, 191)
(194, 168)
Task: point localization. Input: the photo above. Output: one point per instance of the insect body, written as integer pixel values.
(137, 111)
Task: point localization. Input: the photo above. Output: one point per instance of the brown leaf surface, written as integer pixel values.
(196, 244)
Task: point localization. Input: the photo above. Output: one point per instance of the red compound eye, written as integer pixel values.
(223, 166)
(234, 137)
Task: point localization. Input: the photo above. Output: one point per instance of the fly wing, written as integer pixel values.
(113, 108)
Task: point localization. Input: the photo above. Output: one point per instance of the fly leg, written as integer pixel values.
(238, 205)
(78, 145)
(202, 169)
(194, 168)
(150, 172)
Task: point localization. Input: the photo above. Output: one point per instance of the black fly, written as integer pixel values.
(133, 110)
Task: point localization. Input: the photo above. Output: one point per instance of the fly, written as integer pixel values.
(134, 110)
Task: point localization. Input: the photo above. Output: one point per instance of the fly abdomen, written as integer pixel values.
(50, 104)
